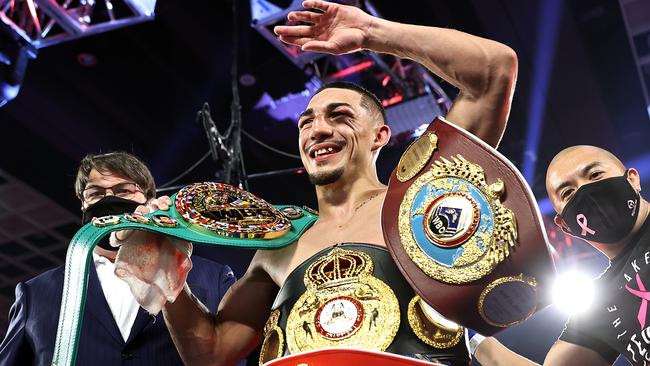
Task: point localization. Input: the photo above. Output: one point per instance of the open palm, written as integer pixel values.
(337, 30)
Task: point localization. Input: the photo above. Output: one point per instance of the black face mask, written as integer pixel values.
(603, 211)
(109, 205)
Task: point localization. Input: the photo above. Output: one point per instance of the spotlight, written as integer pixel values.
(573, 292)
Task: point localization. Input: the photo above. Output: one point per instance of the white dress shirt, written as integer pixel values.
(117, 294)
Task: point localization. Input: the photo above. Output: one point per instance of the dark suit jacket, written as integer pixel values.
(35, 314)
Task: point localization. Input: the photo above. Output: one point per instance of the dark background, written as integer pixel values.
(576, 67)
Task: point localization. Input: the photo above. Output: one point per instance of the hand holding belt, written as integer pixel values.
(155, 268)
(203, 213)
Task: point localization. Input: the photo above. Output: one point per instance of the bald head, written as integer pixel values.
(578, 165)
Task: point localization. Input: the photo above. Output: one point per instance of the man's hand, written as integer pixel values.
(154, 204)
(337, 30)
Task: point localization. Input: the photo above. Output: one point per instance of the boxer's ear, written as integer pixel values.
(382, 136)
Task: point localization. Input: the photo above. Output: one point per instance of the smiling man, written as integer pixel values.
(326, 151)
(342, 256)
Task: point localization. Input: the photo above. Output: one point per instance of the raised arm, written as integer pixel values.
(484, 71)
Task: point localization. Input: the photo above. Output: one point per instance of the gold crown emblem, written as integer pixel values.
(338, 267)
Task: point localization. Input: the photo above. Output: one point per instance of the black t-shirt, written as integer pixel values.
(619, 320)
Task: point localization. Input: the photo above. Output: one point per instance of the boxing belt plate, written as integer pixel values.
(466, 232)
(347, 356)
(202, 213)
(353, 295)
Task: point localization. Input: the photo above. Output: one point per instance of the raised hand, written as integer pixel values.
(336, 29)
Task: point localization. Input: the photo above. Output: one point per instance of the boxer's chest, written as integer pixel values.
(322, 236)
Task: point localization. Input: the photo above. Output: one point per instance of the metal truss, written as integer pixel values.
(43, 23)
(28, 25)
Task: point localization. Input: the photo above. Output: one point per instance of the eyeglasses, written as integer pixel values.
(123, 190)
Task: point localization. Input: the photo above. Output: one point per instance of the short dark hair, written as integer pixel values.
(368, 99)
(118, 162)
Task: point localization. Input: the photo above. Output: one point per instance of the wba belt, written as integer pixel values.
(353, 295)
(203, 213)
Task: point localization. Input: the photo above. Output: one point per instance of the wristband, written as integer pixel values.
(474, 340)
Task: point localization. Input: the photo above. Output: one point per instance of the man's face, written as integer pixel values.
(107, 179)
(337, 135)
(574, 168)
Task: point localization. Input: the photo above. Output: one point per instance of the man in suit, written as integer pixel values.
(115, 329)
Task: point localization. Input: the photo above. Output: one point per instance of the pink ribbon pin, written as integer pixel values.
(645, 296)
(582, 222)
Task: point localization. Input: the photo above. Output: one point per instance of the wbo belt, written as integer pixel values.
(465, 230)
(353, 295)
(203, 213)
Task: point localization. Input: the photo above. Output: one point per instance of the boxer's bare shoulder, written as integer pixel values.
(279, 263)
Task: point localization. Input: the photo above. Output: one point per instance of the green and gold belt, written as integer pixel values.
(203, 213)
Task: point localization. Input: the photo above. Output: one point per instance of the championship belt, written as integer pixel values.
(465, 231)
(348, 356)
(344, 305)
(353, 295)
(202, 213)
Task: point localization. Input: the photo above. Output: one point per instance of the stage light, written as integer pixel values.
(350, 70)
(550, 13)
(247, 79)
(573, 292)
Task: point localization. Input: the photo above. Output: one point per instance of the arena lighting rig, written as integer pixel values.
(29, 25)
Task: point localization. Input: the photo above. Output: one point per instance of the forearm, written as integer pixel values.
(492, 353)
(192, 328)
(472, 64)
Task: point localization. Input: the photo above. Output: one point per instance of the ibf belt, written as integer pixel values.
(352, 295)
(465, 230)
(203, 213)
